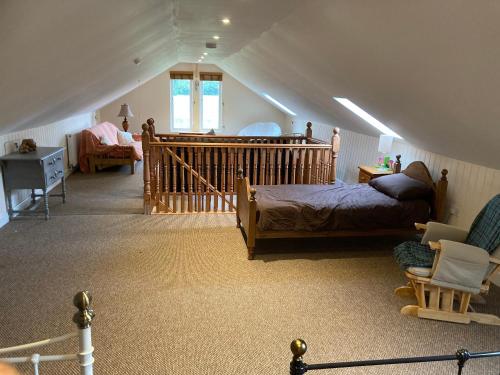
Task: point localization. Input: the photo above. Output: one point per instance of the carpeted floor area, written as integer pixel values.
(176, 294)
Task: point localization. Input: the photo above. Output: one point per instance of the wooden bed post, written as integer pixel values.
(239, 194)
(147, 175)
(440, 198)
(335, 151)
(252, 224)
(309, 132)
(397, 164)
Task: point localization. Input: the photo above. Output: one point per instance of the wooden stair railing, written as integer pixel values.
(189, 177)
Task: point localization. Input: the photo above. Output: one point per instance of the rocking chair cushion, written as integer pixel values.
(485, 230)
(438, 231)
(414, 254)
(420, 271)
(461, 267)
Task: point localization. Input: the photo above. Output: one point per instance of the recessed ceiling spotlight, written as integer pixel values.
(216, 37)
(205, 53)
(226, 21)
(199, 60)
(202, 57)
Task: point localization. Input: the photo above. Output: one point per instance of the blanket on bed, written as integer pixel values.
(334, 207)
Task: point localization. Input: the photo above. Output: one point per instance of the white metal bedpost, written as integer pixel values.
(83, 319)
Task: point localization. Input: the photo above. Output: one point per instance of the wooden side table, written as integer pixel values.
(367, 173)
(34, 170)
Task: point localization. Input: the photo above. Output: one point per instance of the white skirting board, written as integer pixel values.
(72, 146)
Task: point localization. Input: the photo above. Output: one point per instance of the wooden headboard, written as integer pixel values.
(419, 171)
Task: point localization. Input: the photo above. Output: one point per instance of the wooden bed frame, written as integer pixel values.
(246, 211)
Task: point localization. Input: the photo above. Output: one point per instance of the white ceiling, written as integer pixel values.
(428, 69)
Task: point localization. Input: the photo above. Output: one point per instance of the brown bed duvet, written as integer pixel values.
(334, 207)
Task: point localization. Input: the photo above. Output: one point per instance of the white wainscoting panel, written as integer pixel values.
(470, 186)
(50, 135)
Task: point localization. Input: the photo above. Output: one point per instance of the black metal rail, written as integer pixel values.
(299, 367)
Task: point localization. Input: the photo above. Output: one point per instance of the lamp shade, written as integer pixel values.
(385, 143)
(125, 111)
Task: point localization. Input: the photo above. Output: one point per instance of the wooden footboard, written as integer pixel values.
(246, 211)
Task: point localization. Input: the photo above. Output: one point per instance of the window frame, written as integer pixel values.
(200, 105)
(191, 105)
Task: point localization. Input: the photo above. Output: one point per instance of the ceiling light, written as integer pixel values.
(366, 116)
(205, 53)
(216, 37)
(226, 21)
(287, 110)
(199, 60)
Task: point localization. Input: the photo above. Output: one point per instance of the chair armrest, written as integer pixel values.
(438, 231)
(460, 266)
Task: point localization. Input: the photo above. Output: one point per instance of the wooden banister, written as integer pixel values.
(193, 173)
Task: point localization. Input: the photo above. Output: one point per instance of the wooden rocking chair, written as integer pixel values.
(455, 264)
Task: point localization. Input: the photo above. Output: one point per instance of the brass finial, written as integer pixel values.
(444, 172)
(336, 130)
(309, 124)
(298, 348)
(240, 173)
(252, 194)
(83, 317)
(145, 127)
(150, 121)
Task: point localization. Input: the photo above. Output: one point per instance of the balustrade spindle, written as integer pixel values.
(174, 181)
(190, 180)
(262, 177)
(231, 179)
(199, 168)
(223, 178)
(216, 177)
(294, 165)
(279, 160)
(182, 171)
(208, 196)
(255, 152)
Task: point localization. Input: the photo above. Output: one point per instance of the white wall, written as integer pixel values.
(50, 135)
(241, 106)
(470, 186)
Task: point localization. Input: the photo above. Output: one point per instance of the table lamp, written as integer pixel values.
(385, 146)
(124, 112)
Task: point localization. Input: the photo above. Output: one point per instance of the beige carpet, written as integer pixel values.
(176, 294)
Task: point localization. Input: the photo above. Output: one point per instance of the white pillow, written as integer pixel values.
(124, 138)
(105, 140)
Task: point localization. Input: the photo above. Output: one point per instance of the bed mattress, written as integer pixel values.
(334, 207)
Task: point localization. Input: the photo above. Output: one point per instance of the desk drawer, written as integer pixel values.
(364, 177)
(53, 167)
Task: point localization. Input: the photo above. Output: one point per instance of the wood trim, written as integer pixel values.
(181, 75)
(210, 76)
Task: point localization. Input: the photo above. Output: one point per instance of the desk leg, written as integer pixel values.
(9, 202)
(46, 203)
(63, 184)
(33, 198)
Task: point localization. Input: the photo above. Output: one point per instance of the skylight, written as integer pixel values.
(367, 117)
(287, 110)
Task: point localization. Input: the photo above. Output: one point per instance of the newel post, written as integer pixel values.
(297, 366)
(440, 198)
(335, 152)
(309, 132)
(151, 128)
(397, 164)
(146, 169)
(83, 319)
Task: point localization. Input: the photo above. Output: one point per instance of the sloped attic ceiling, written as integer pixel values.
(428, 69)
(61, 57)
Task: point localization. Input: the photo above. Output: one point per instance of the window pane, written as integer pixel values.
(181, 103)
(210, 99)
